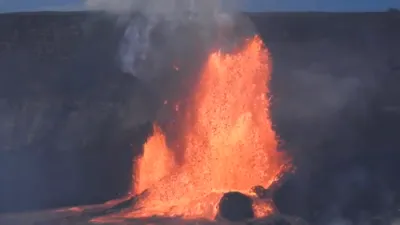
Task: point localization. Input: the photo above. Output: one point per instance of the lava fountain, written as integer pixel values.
(230, 144)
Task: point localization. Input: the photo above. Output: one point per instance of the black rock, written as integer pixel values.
(235, 206)
(277, 219)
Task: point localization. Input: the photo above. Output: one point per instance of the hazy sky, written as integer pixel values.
(251, 5)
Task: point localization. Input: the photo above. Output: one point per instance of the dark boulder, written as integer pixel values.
(235, 206)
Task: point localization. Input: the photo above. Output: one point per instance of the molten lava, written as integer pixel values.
(162, 161)
(229, 142)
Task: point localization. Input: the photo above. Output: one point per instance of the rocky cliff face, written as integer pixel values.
(335, 104)
(69, 116)
(335, 77)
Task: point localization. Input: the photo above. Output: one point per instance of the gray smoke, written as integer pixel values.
(165, 44)
(322, 104)
(139, 50)
(315, 97)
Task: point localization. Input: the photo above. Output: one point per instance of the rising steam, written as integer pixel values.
(139, 50)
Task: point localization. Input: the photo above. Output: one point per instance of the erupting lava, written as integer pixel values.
(229, 142)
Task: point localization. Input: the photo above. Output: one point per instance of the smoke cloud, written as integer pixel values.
(151, 32)
(324, 98)
(165, 44)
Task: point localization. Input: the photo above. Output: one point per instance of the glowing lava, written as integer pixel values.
(229, 140)
(162, 161)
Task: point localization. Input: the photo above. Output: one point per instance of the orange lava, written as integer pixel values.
(162, 162)
(229, 140)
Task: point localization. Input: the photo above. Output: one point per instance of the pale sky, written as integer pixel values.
(250, 5)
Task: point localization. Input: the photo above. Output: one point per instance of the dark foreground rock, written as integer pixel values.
(76, 218)
(235, 207)
(278, 219)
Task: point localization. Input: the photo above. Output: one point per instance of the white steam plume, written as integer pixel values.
(136, 46)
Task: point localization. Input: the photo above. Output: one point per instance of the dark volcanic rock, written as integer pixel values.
(70, 119)
(235, 206)
(278, 219)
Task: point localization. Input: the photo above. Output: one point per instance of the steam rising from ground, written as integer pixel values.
(165, 44)
(139, 45)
